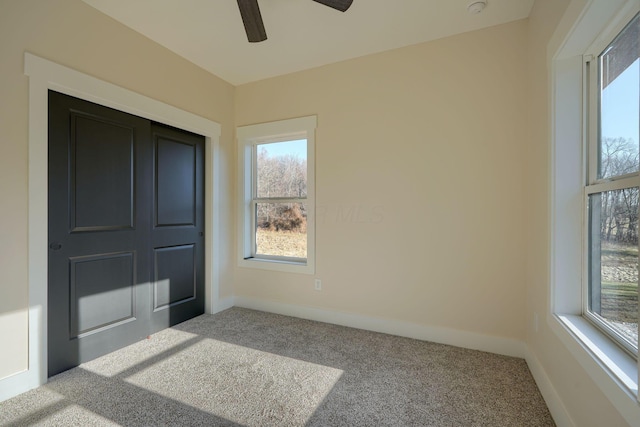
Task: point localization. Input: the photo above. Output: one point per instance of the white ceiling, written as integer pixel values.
(301, 34)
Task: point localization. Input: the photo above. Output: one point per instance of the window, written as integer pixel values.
(574, 157)
(276, 176)
(612, 187)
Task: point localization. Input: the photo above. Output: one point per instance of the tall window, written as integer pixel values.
(612, 187)
(276, 173)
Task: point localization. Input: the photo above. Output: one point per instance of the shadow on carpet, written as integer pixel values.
(248, 368)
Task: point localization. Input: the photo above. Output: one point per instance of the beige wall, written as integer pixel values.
(583, 400)
(75, 35)
(419, 179)
(432, 191)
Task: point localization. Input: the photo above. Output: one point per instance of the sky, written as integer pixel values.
(297, 148)
(620, 114)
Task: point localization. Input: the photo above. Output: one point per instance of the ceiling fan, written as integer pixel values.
(253, 20)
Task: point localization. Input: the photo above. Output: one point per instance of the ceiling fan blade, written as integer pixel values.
(341, 5)
(252, 20)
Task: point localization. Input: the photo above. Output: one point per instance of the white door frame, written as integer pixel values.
(45, 75)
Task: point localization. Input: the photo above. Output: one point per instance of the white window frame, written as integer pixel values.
(611, 368)
(593, 184)
(248, 138)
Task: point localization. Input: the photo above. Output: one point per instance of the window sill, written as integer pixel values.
(615, 371)
(278, 265)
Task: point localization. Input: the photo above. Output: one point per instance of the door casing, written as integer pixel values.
(44, 75)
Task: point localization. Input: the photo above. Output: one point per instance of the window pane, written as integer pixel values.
(282, 169)
(613, 278)
(619, 112)
(281, 229)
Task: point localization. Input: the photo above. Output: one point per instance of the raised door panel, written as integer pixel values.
(102, 292)
(102, 181)
(175, 276)
(175, 183)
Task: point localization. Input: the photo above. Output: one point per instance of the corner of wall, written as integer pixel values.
(550, 395)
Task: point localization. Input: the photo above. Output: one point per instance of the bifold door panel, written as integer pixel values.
(177, 234)
(126, 219)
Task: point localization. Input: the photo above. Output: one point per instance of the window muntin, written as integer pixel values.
(613, 186)
(276, 200)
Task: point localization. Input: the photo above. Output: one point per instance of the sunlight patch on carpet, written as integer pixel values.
(240, 384)
(156, 347)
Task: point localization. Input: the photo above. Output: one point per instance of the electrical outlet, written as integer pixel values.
(318, 284)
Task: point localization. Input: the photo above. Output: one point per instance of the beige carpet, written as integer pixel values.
(248, 368)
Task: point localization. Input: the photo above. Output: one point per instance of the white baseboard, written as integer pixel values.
(21, 382)
(223, 304)
(458, 338)
(17, 384)
(548, 391)
(491, 344)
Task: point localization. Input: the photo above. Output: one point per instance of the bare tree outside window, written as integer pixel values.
(614, 190)
(281, 188)
(618, 156)
(613, 293)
